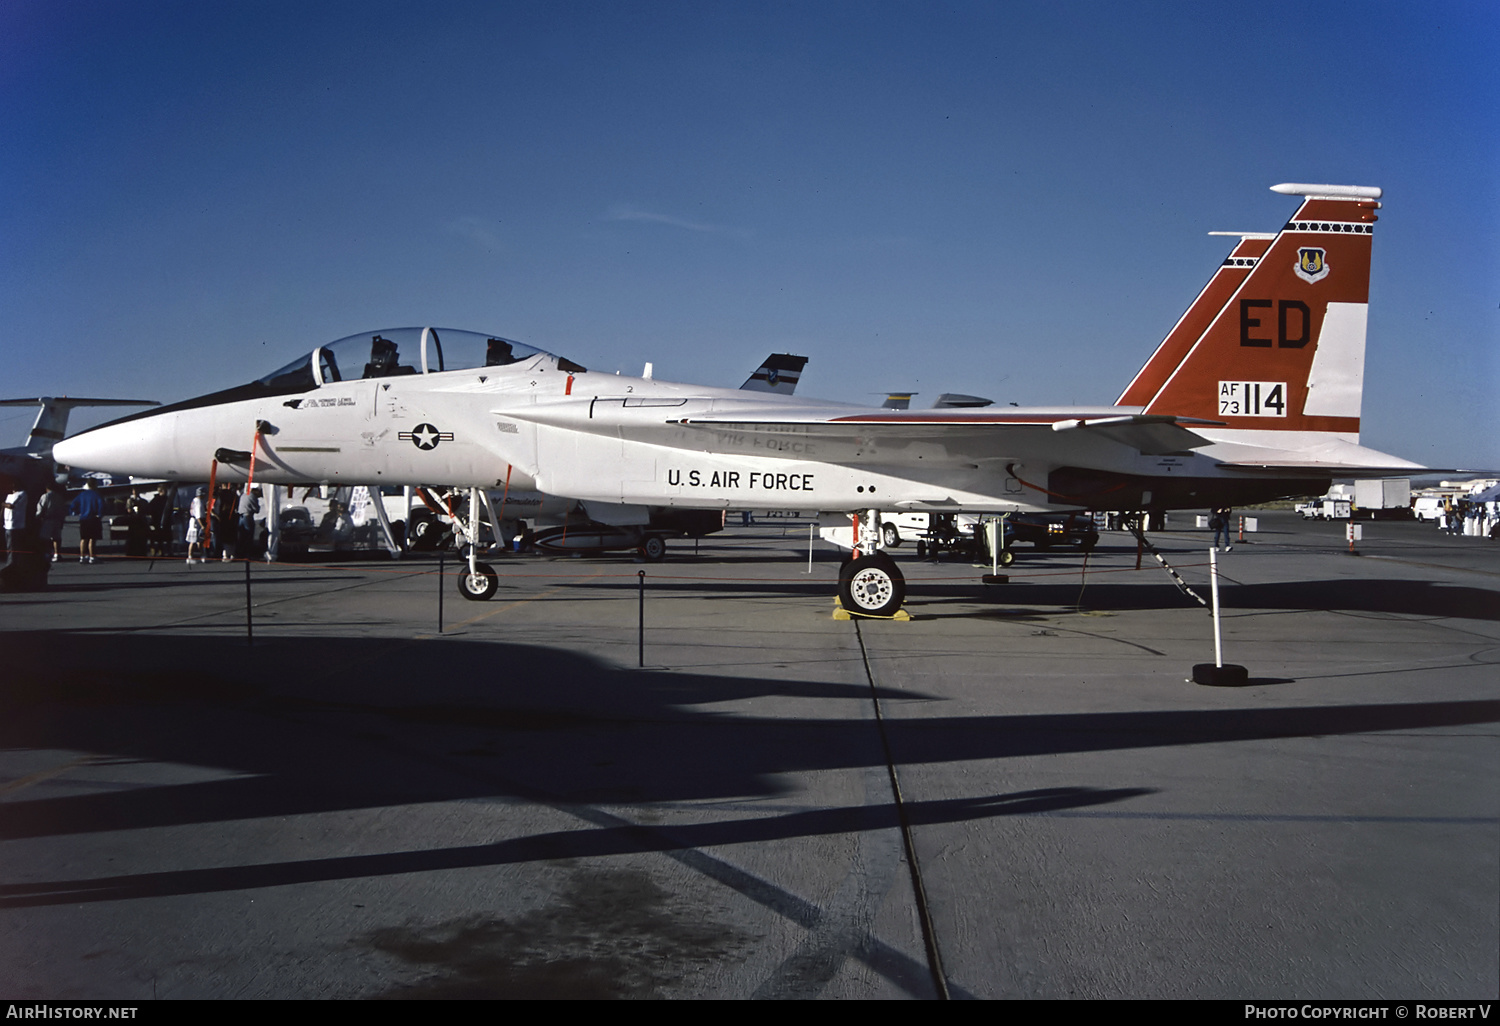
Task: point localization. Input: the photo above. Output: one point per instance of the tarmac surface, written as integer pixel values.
(1015, 794)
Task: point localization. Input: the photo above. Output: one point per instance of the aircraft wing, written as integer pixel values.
(979, 434)
(837, 433)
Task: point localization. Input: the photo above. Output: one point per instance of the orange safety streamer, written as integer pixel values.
(254, 441)
(208, 512)
(506, 494)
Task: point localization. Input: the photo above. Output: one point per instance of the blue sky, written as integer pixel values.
(1008, 199)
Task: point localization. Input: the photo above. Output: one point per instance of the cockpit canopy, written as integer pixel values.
(375, 354)
(398, 351)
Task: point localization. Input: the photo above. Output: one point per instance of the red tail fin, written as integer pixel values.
(1286, 351)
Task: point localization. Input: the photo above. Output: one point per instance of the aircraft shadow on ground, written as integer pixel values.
(219, 579)
(1401, 597)
(318, 724)
(623, 839)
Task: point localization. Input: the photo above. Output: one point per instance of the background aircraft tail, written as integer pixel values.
(52, 419)
(1285, 349)
(780, 374)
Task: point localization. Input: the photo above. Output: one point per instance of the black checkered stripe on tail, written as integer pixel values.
(1357, 227)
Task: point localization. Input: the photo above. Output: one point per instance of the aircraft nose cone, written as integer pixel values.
(92, 450)
(140, 447)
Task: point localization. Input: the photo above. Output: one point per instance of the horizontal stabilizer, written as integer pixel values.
(1334, 455)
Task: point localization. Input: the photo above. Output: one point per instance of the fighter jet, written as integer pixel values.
(1249, 399)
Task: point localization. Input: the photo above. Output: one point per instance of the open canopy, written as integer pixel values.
(393, 352)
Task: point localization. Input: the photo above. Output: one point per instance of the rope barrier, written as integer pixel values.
(410, 567)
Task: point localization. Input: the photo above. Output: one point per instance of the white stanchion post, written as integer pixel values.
(1218, 673)
(1213, 584)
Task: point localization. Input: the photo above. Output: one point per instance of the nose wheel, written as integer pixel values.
(479, 583)
(871, 585)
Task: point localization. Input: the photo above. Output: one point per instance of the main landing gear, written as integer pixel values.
(870, 584)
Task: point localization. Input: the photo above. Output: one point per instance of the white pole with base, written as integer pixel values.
(994, 534)
(1217, 673)
(1213, 585)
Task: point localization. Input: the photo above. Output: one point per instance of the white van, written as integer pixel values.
(1427, 507)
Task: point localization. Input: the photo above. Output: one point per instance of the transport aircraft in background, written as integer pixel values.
(32, 462)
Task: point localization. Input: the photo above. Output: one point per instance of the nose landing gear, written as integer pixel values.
(479, 582)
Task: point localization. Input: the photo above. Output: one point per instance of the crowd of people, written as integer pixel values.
(220, 525)
(158, 525)
(195, 523)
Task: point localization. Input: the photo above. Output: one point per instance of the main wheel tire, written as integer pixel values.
(479, 585)
(653, 548)
(890, 535)
(871, 585)
(921, 550)
(1007, 557)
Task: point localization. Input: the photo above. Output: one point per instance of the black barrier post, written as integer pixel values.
(249, 622)
(640, 636)
(440, 592)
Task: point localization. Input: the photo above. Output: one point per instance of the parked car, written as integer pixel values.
(1045, 530)
(936, 531)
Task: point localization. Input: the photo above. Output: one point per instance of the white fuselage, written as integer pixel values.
(605, 438)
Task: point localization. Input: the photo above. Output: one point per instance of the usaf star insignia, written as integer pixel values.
(425, 436)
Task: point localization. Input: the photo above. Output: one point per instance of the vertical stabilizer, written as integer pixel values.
(780, 374)
(1286, 350)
